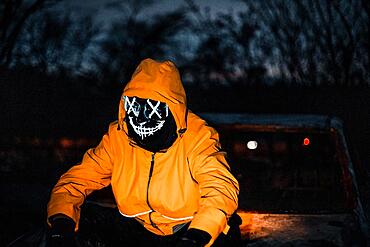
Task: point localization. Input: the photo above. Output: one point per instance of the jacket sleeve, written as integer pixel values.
(218, 188)
(93, 173)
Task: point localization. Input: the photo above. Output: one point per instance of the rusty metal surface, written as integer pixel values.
(296, 229)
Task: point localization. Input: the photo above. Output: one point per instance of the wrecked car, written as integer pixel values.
(298, 184)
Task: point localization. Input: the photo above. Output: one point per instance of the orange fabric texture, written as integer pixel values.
(190, 181)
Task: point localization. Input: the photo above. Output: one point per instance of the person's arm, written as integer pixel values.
(93, 173)
(218, 188)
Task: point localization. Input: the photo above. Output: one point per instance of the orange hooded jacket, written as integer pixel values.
(190, 181)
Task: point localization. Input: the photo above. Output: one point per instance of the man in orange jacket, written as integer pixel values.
(164, 163)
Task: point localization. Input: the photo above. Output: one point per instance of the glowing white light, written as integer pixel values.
(252, 145)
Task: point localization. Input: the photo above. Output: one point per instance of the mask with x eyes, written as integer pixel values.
(150, 123)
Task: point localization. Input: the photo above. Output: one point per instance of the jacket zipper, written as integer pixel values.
(147, 193)
(150, 178)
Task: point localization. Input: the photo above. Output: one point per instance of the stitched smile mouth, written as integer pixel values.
(142, 131)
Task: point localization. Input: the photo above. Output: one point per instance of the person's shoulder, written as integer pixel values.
(114, 130)
(199, 135)
(197, 124)
(195, 121)
(115, 133)
(113, 126)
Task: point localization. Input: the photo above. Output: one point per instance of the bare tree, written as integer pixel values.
(13, 16)
(314, 42)
(54, 42)
(224, 55)
(364, 52)
(131, 39)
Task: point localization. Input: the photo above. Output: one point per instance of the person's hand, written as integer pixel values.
(194, 238)
(61, 232)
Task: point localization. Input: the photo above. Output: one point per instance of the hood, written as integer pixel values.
(158, 81)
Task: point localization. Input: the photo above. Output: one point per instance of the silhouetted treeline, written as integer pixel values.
(295, 42)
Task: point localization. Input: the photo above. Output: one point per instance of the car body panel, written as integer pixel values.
(279, 229)
(317, 228)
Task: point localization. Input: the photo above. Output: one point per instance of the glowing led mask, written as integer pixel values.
(150, 123)
(145, 116)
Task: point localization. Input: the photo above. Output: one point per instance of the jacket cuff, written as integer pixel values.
(65, 209)
(211, 220)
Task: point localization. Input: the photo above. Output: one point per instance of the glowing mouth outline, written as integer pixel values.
(143, 132)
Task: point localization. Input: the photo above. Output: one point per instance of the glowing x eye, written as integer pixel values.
(154, 109)
(132, 106)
